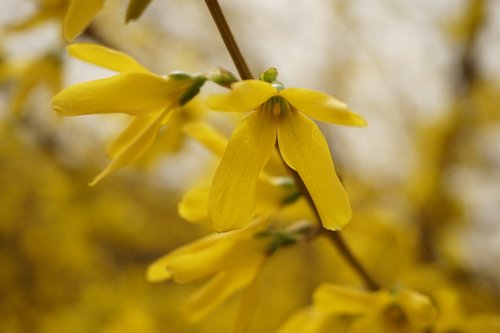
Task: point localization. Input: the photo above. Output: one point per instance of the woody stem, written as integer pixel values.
(229, 41)
(245, 74)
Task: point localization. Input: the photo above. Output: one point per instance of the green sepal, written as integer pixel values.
(193, 90)
(135, 9)
(279, 239)
(291, 198)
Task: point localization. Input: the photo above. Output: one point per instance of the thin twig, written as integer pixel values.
(229, 41)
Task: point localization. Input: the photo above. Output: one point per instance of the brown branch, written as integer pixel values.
(229, 41)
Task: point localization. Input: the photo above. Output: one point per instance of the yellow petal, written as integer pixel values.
(270, 195)
(214, 247)
(338, 299)
(418, 308)
(244, 96)
(132, 145)
(79, 15)
(305, 150)
(106, 57)
(249, 300)
(158, 270)
(222, 255)
(310, 320)
(138, 125)
(375, 322)
(232, 196)
(218, 290)
(130, 93)
(321, 106)
(207, 136)
(194, 205)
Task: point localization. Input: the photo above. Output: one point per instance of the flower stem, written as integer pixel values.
(245, 74)
(229, 41)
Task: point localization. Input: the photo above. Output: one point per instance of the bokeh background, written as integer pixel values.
(424, 176)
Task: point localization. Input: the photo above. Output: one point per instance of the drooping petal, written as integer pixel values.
(337, 299)
(305, 150)
(79, 15)
(207, 136)
(45, 70)
(224, 254)
(140, 124)
(162, 269)
(232, 196)
(133, 145)
(217, 290)
(244, 96)
(158, 270)
(194, 205)
(321, 106)
(131, 93)
(105, 57)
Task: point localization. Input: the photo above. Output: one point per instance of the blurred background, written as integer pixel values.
(423, 177)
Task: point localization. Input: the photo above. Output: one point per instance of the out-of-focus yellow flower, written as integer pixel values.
(234, 260)
(399, 311)
(43, 71)
(135, 91)
(301, 144)
(453, 317)
(46, 10)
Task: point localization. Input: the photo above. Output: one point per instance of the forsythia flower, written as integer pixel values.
(234, 260)
(279, 116)
(273, 192)
(46, 10)
(135, 91)
(45, 70)
(382, 311)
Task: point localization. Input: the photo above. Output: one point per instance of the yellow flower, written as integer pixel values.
(274, 192)
(47, 10)
(43, 71)
(301, 144)
(382, 311)
(135, 91)
(234, 260)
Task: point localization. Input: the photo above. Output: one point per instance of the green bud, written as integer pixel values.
(178, 75)
(269, 75)
(221, 76)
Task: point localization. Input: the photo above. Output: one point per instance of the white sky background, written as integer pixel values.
(392, 61)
